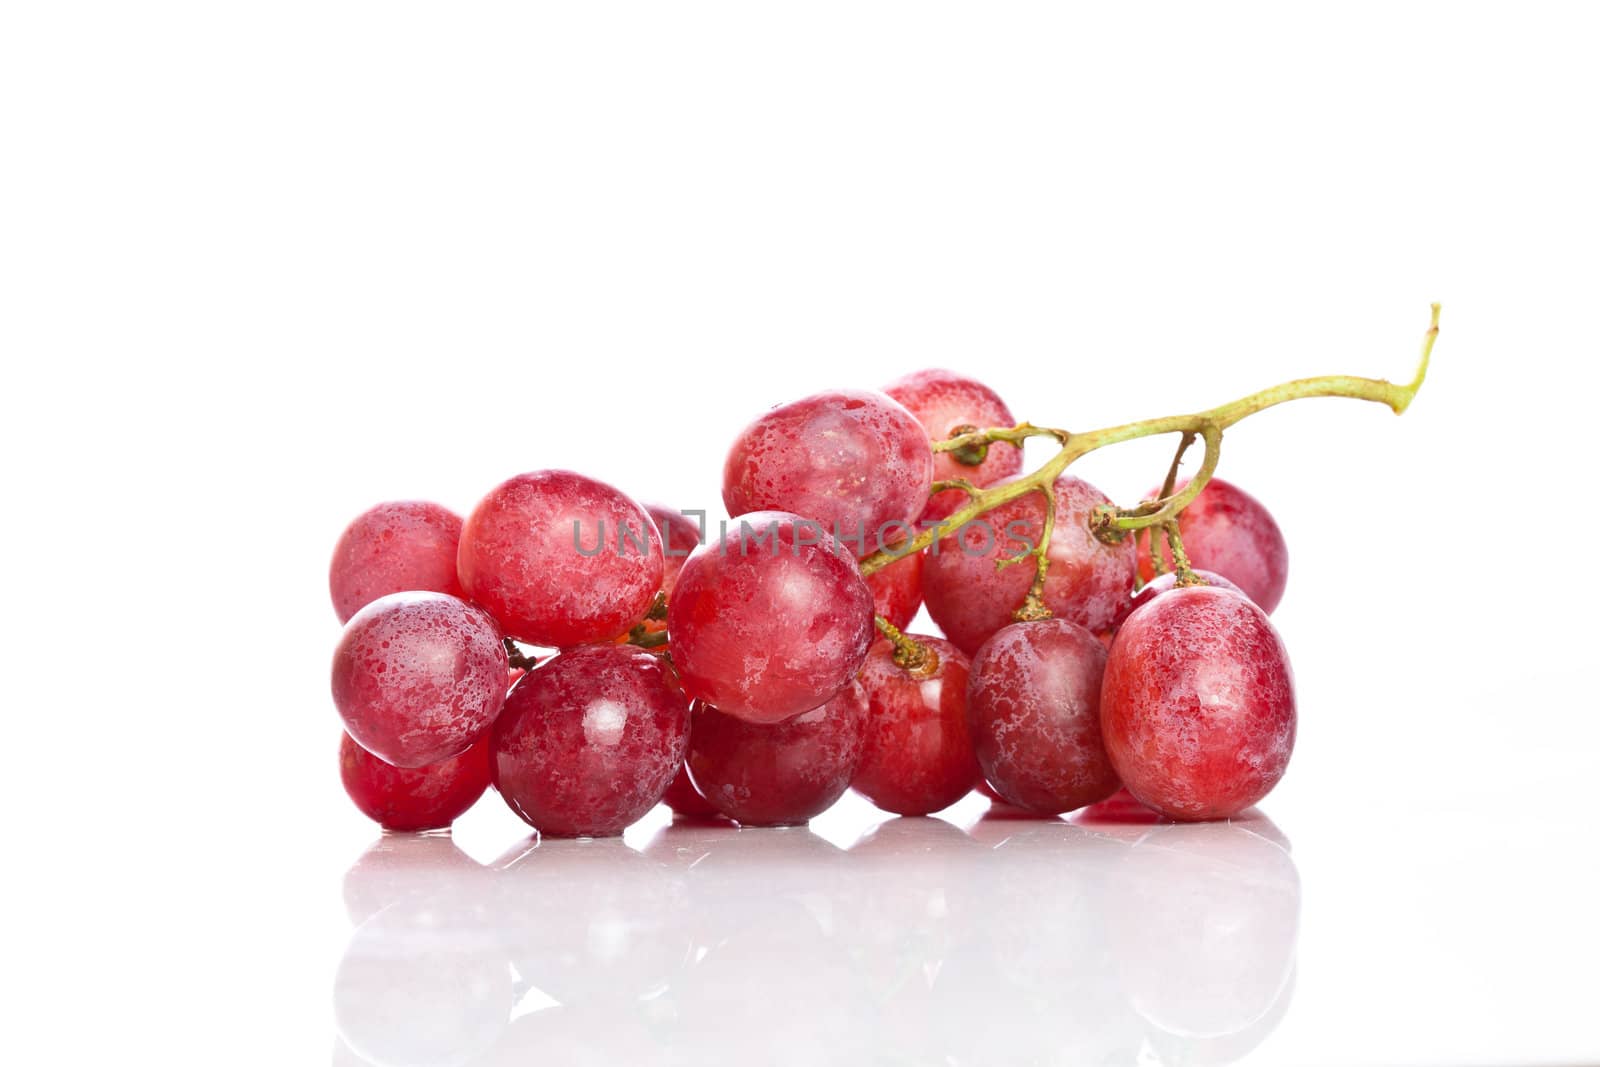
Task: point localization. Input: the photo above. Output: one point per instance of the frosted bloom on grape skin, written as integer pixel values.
(1197, 708)
(770, 621)
(1033, 703)
(590, 741)
(1230, 532)
(418, 677)
(1088, 581)
(853, 460)
(556, 558)
(944, 401)
(394, 547)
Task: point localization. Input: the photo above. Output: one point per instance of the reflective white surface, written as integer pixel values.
(1014, 941)
(977, 939)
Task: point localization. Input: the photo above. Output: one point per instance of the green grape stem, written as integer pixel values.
(1116, 523)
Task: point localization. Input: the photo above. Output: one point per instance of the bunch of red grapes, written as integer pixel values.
(759, 670)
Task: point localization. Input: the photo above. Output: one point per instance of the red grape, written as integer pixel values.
(560, 559)
(917, 754)
(684, 799)
(897, 590)
(394, 548)
(1228, 531)
(418, 677)
(1197, 706)
(589, 741)
(770, 620)
(1033, 704)
(419, 798)
(1120, 807)
(1161, 583)
(855, 461)
(942, 401)
(1087, 583)
(777, 774)
(680, 535)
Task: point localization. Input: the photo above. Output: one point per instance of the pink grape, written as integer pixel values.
(418, 798)
(1033, 704)
(897, 590)
(1162, 583)
(1197, 706)
(1230, 532)
(589, 741)
(771, 620)
(853, 460)
(418, 677)
(680, 535)
(944, 401)
(917, 754)
(1087, 583)
(394, 548)
(777, 774)
(523, 558)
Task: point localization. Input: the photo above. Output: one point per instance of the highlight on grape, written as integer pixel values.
(757, 674)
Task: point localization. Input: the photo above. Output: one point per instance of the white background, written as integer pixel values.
(264, 265)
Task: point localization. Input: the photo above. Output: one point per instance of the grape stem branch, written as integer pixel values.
(911, 656)
(1161, 513)
(517, 659)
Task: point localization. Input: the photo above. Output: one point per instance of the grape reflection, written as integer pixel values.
(1038, 941)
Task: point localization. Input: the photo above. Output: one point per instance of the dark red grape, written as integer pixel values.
(1161, 583)
(917, 753)
(418, 677)
(771, 620)
(680, 535)
(417, 798)
(777, 774)
(684, 799)
(1230, 532)
(560, 559)
(944, 401)
(1087, 583)
(1197, 706)
(589, 741)
(897, 590)
(853, 460)
(1033, 703)
(394, 548)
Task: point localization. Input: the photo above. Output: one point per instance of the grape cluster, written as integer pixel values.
(763, 673)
